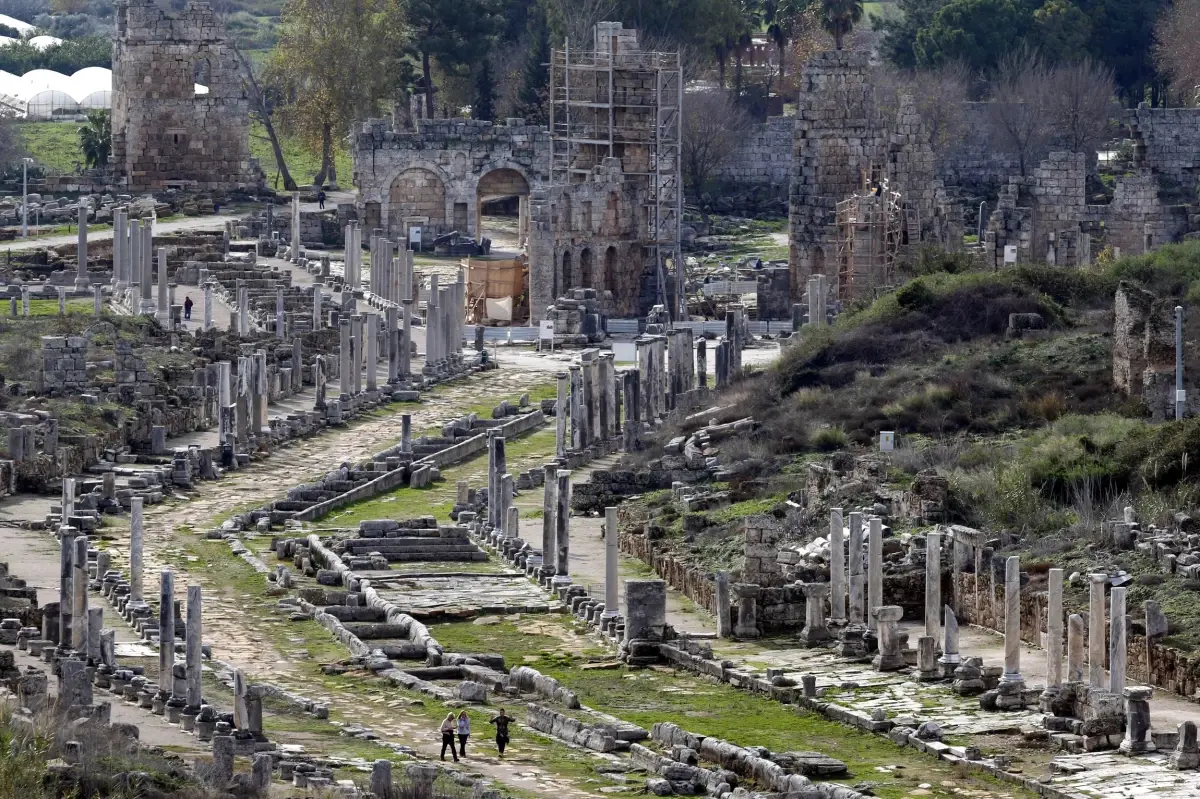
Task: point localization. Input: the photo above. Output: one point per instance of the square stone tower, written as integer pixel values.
(180, 115)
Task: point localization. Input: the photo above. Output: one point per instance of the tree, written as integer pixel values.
(1177, 55)
(484, 104)
(713, 124)
(335, 61)
(1061, 30)
(261, 109)
(535, 75)
(839, 17)
(976, 32)
(938, 93)
(1080, 104)
(95, 139)
(1019, 105)
(784, 19)
(455, 33)
(900, 30)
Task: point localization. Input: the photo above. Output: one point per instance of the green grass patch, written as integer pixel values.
(50, 307)
(54, 145)
(303, 162)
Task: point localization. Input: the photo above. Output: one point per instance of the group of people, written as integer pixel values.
(461, 727)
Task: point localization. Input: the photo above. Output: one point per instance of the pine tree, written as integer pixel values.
(483, 105)
(535, 85)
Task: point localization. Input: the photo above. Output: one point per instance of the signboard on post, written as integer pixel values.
(1010, 253)
(887, 440)
(414, 237)
(546, 333)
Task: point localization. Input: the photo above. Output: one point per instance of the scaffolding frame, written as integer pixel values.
(592, 118)
(870, 229)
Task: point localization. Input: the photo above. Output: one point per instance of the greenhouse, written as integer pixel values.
(45, 94)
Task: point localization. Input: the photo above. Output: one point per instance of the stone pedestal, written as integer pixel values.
(1137, 721)
(851, 644)
(950, 658)
(1186, 755)
(928, 669)
(890, 658)
(815, 633)
(746, 595)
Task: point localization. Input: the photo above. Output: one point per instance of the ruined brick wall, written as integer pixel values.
(588, 235)
(442, 171)
(1138, 220)
(1144, 351)
(165, 133)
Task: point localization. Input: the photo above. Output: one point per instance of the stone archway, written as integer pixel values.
(566, 282)
(418, 197)
(501, 193)
(587, 272)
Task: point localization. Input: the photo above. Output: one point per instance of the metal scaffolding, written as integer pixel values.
(618, 101)
(871, 226)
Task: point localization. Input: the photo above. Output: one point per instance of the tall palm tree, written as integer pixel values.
(839, 17)
(95, 139)
(783, 18)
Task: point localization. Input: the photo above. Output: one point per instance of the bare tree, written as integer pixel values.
(1081, 104)
(1176, 53)
(939, 95)
(260, 107)
(577, 18)
(713, 124)
(1020, 124)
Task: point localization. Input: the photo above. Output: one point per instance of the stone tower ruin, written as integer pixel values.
(180, 115)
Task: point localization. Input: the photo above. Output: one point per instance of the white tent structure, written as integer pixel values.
(44, 42)
(23, 28)
(45, 94)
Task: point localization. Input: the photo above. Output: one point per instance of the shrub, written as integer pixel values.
(829, 439)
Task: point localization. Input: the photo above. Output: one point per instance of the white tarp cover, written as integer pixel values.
(499, 309)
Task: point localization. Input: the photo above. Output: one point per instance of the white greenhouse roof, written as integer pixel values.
(16, 24)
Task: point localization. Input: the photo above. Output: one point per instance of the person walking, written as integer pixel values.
(321, 199)
(187, 307)
(464, 730)
(501, 723)
(448, 728)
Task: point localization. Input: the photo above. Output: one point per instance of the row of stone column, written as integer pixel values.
(391, 270)
(445, 319)
(353, 269)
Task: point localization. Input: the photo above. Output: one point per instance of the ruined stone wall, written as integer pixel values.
(763, 155)
(588, 235)
(1144, 351)
(1167, 141)
(440, 171)
(165, 132)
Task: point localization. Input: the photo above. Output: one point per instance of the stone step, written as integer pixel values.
(414, 557)
(359, 545)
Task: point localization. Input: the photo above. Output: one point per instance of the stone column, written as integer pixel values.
(119, 278)
(356, 352)
(1054, 628)
(814, 633)
(562, 519)
(950, 658)
(166, 633)
(208, 306)
(1012, 620)
(82, 283)
(1096, 629)
(391, 344)
(195, 642)
(406, 433)
(222, 765)
(933, 584)
(406, 339)
(724, 622)
(496, 470)
(1116, 641)
(372, 337)
(857, 578)
(66, 597)
(611, 563)
(297, 365)
(506, 497)
(295, 227)
(345, 367)
(225, 401)
(79, 593)
(163, 306)
(837, 567)
(243, 310)
(381, 779)
(146, 305)
(68, 499)
(1075, 648)
(318, 300)
(549, 523)
(280, 314)
(577, 431)
(95, 621)
(560, 416)
(136, 526)
(874, 569)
